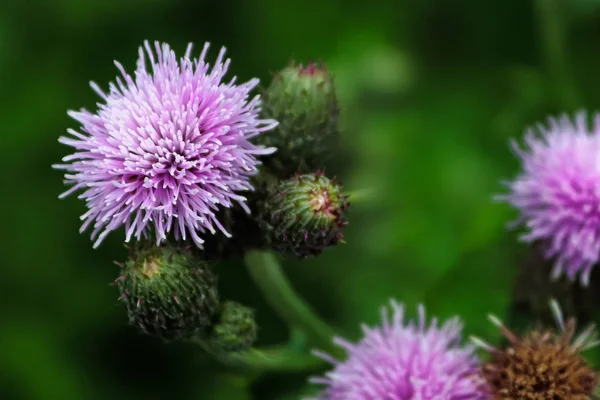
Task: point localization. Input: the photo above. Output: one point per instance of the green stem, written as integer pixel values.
(553, 36)
(275, 358)
(266, 272)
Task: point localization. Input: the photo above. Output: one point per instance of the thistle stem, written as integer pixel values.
(554, 42)
(264, 268)
(279, 358)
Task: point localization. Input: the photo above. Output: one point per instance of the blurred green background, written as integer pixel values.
(431, 91)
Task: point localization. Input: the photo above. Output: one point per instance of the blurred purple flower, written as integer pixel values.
(405, 361)
(166, 148)
(558, 193)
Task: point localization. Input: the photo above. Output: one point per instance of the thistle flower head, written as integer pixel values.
(166, 148)
(558, 193)
(168, 293)
(304, 215)
(403, 361)
(542, 365)
(303, 100)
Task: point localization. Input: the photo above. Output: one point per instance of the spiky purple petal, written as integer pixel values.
(404, 361)
(558, 193)
(166, 147)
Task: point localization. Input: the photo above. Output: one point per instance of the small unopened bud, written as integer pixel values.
(235, 329)
(304, 215)
(303, 100)
(168, 293)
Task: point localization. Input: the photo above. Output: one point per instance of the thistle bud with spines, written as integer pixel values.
(167, 291)
(303, 101)
(235, 328)
(304, 215)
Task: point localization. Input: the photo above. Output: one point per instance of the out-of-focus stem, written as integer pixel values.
(275, 358)
(266, 272)
(553, 36)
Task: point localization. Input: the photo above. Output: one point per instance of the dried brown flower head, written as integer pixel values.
(542, 365)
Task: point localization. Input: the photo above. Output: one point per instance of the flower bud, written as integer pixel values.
(168, 293)
(235, 329)
(304, 215)
(303, 100)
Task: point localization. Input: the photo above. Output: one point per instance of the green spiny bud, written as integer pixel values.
(168, 292)
(304, 215)
(303, 100)
(235, 329)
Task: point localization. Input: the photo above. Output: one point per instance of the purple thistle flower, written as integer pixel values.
(558, 193)
(166, 148)
(405, 361)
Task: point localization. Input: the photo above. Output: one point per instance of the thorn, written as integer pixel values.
(176, 299)
(305, 236)
(119, 264)
(122, 296)
(139, 301)
(120, 278)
